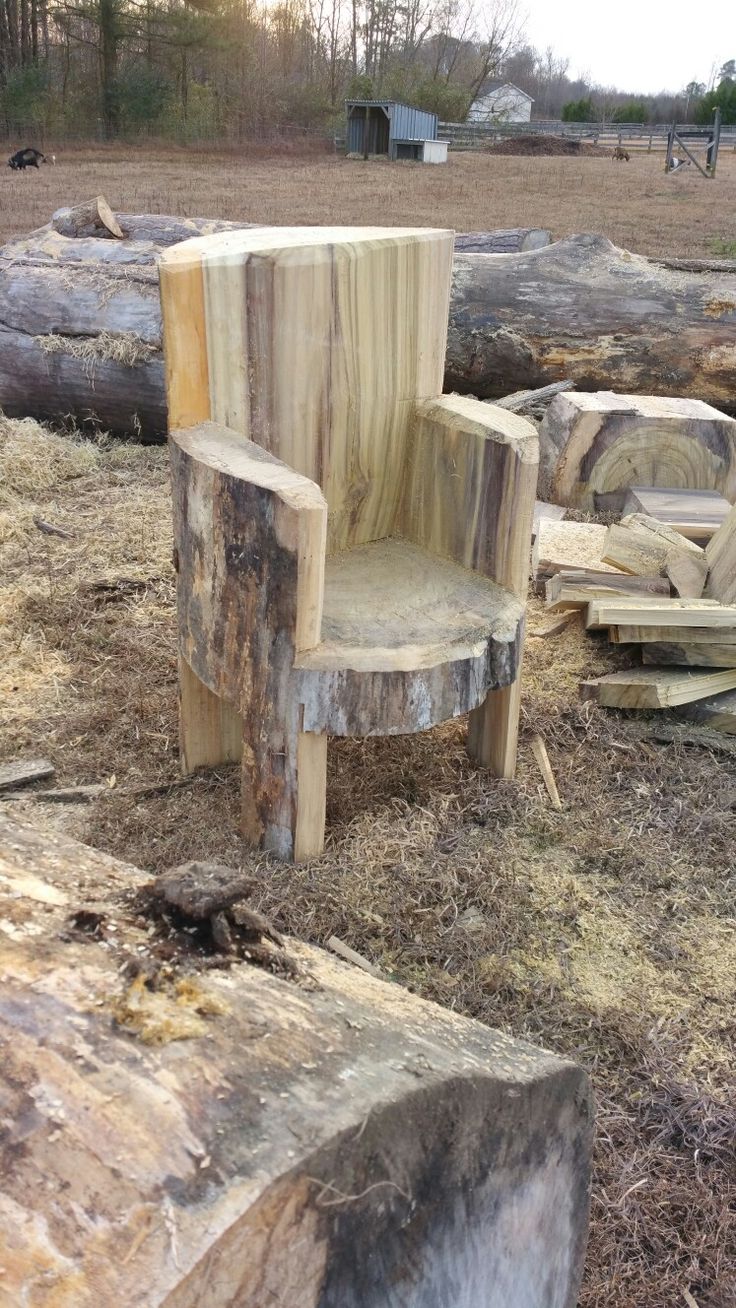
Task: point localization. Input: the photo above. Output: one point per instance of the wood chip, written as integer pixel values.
(539, 750)
(18, 772)
(338, 946)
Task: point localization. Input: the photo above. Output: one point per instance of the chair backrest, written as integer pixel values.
(315, 343)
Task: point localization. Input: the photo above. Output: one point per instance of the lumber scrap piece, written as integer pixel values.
(20, 772)
(696, 514)
(685, 575)
(655, 688)
(523, 401)
(539, 750)
(593, 447)
(689, 654)
(561, 545)
(576, 588)
(657, 611)
(196, 1134)
(718, 713)
(720, 553)
(550, 512)
(631, 633)
(643, 546)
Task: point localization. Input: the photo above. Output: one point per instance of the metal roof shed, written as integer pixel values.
(387, 127)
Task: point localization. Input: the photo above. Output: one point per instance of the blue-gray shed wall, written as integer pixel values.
(409, 124)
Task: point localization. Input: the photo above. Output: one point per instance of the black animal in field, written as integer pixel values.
(28, 158)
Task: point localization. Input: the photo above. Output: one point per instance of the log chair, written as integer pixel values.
(352, 546)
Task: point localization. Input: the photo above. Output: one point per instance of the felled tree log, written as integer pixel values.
(182, 1128)
(80, 323)
(504, 241)
(579, 309)
(586, 310)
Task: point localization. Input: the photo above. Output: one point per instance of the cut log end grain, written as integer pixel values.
(594, 447)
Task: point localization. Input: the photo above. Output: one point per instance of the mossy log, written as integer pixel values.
(80, 323)
(182, 1129)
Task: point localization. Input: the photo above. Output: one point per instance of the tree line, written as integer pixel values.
(236, 69)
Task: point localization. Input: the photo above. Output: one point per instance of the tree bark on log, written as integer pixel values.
(605, 318)
(580, 309)
(80, 323)
(182, 1127)
(504, 241)
(93, 218)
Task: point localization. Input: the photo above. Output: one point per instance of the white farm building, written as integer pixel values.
(501, 102)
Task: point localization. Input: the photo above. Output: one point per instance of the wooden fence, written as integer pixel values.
(632, 136)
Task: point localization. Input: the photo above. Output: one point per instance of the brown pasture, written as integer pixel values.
(633, 204)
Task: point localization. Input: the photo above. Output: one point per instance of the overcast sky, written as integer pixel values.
(637, 45)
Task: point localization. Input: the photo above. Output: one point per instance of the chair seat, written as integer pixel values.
(408, 640)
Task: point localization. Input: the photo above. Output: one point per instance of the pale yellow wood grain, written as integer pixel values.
(470, 496)
(721, 555)
(309, 836)
(643, 546)
(318, 342)
(656, 611)
(634, 634)
(185, 342)
(539, 750)
(210, 729)
(693, 654)
(470, 490)
(600, 443)
(493, 730)
(642, 688)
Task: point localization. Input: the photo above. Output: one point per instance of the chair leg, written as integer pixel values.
(284, 791)
(210, 729)
(493, 730)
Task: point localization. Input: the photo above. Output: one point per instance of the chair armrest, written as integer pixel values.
(250, 555)
(470, 489)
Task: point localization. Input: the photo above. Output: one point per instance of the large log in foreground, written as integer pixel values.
(80, 323)
(182, 1129)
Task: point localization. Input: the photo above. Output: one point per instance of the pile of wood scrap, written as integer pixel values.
(647, 583)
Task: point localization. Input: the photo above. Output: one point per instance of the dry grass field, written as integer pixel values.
(633, 204)
(605, 931)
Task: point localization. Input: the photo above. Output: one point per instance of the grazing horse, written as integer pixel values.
(28, 158)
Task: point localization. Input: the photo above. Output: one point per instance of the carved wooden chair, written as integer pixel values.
(352, 546)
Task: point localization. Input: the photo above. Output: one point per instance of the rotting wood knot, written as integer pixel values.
(201, 915)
